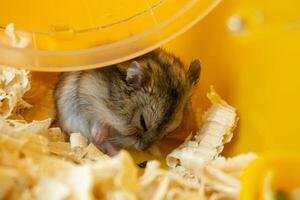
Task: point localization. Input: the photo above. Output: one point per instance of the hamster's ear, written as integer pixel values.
(193, 74)
(136, 76)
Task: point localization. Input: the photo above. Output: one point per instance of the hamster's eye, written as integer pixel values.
(143, 123)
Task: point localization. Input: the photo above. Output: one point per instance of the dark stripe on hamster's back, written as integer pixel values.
(157, 54)
(173, 86)
(118, 91)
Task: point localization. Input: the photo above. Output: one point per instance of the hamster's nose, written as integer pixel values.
(141, 145)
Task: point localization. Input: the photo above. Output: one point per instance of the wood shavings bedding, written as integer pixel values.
(198, 158)
(28, 147)
(218, 125)
(13, 84)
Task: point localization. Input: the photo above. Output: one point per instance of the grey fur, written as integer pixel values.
(158, 88)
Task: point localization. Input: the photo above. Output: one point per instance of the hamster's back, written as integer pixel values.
(75, 97)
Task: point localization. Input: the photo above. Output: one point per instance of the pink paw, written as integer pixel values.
(100, 132)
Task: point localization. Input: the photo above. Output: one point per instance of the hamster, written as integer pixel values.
(128, 105)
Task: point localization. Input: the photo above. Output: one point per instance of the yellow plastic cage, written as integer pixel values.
(249, 50)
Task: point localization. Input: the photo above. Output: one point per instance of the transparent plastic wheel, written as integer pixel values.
(71, 35)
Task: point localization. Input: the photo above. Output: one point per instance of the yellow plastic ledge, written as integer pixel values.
(285, 174)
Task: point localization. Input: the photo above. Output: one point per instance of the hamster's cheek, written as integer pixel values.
(130, 131)
(176, 122)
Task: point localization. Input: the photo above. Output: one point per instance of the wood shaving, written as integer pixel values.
(198, 157)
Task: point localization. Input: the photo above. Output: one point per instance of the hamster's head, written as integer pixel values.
(161, 88)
